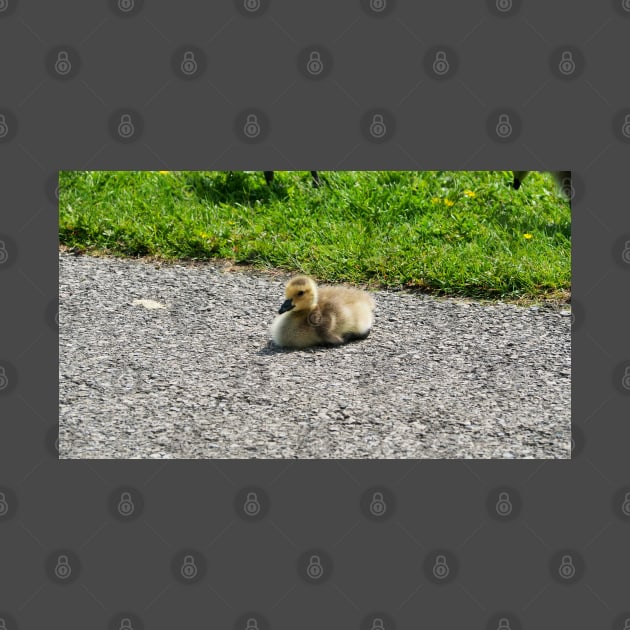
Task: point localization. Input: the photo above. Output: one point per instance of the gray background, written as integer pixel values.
(126, 567)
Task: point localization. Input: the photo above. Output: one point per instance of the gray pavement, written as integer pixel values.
(174, 361)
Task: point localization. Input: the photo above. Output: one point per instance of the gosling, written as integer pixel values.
(313, 316)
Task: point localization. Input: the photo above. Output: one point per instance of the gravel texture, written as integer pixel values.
(174, 361)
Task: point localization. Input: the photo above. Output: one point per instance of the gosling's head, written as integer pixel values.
(301, 294)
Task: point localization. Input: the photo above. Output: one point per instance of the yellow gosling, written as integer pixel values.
(313, 315)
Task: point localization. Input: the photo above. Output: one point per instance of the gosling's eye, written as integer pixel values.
(300, 293)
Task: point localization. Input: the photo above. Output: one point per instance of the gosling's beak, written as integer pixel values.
(287, 305)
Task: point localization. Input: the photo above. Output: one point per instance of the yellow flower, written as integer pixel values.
(527, 236)
(164, 172)
(470, 193)
(435, 200)
(449, 203)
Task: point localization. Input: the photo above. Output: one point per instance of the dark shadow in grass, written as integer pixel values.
(233, 187)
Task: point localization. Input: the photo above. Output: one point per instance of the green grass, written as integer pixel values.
(463, 233)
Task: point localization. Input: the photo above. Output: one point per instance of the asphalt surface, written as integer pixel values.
(174, 361)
